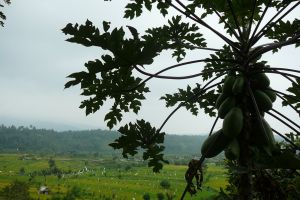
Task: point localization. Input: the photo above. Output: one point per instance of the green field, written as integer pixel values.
(104, 178)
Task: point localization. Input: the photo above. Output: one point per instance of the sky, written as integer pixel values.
(35, 60)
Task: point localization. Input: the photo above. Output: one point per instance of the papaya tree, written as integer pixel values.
(234, 87)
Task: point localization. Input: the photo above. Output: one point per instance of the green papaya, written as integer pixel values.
(228, 83)
(232, 152)
(262, 135)
(270, 93)
(263, 101)
(220, 99)
(261, 81)
(238, 85)
(226, 106)
(233, 122)
(214, 144)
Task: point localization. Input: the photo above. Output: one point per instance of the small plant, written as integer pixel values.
(165, 184)
(22, 171)
(146, 196)
(160, 196)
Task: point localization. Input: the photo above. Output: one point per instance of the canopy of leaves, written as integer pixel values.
(111, 77)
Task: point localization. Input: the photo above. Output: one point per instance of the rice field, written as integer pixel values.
(104, 178)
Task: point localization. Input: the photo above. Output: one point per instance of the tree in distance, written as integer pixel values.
(234, 86)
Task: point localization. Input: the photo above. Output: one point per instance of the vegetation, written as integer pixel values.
(101, 178)
(16, 190)
(236, 86)
(31, 139)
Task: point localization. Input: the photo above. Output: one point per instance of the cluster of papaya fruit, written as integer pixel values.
(231, 104)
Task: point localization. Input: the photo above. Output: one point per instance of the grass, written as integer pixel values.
(120, 179)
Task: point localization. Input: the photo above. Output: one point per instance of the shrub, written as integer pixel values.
(165, 184)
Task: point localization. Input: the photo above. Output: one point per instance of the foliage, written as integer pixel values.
(160, 196)
(146, 196)
(2, 16)
(281, 184)
(165, 184)
(26, 140)
(16, 190)
(95, 185)
(234, 76)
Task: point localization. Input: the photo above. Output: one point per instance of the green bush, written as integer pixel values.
(165, 184)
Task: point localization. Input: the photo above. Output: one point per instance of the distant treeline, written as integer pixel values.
(31, 139)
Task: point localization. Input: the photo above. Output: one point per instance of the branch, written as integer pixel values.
(282, 121)
(290, 96)
(258, 24)
(213, 126)
(251, 21)
(284, 69)
(276, 45)
(189, 182)
(288, 119)
(202, 91)
(222, 20)
(287, 139)
(235, 19)
(286, 75)
(200, 21)
(293, 107)
(183, 77)
(269, 25)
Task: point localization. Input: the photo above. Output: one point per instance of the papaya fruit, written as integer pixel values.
(270, 93)
(263, 101)
(262, 136)
(232, 152)
(228, 83)
(214, 144)
(238, 85)
(226, 106)
(233, 122)
(260, 81)
(220, 99)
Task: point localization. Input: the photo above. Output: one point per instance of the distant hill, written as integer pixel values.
(30, 139)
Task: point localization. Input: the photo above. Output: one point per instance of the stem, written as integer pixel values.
(282, 121)
(277, 72)
(175, 66)
(251, 21)
(284, 94)
(288, 119)
(269, 25)
(258, 24)
(284, 69)
(276, 45)
(201, 160)
(183, 77)
(200, 21)
(287, 139)
(213, 126)
(203, 90)
(235, 20)
(285, 100)
(222, 20)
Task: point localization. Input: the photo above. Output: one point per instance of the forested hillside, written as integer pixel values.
(31, 139)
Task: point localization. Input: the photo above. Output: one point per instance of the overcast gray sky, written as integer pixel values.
(35, 59)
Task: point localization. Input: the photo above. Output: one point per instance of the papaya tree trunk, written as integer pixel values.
(245, 162)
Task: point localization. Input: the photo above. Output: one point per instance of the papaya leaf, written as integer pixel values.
(142, 135)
